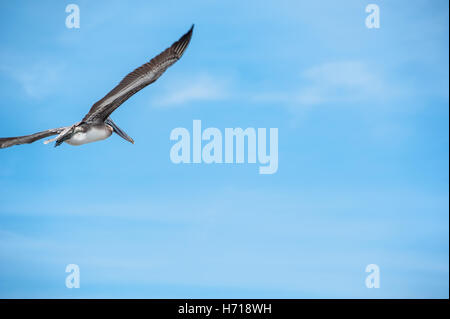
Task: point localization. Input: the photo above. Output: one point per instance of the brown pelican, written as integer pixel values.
(97, 125)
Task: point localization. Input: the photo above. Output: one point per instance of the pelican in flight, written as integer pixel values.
(97, 125)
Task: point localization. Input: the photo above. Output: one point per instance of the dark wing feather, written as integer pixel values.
(138, 79)
(27, 139)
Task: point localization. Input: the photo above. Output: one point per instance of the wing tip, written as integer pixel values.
(181, 45)
(187, 36)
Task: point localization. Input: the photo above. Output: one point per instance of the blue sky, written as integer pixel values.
(363, 120)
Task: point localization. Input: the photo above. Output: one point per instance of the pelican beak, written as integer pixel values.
(119, 131)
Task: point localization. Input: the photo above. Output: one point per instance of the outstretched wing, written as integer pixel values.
(27, 139)
(138, 79)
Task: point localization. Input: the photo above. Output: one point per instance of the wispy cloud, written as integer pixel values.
(37, 79)
(203, 87)
(340, 81)
(331, 82)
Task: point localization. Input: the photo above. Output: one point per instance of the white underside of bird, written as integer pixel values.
(92, 135)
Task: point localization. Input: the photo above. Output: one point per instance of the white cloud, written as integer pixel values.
(203, 87)
(343, 74)
(348, 81)
(331, 83)
(38, 79)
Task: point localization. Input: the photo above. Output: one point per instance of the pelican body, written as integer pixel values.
(97, 124)
(89, 133)
(84, 133)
